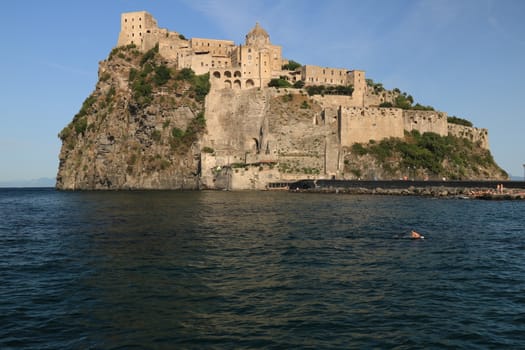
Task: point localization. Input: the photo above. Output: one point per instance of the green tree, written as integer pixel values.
(201, 86)
(186, 74)
(291, 65)
(401, 101)
(162, 75)
(279, 83)
(149, 55)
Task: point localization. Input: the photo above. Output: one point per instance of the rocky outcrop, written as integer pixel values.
(127, 138)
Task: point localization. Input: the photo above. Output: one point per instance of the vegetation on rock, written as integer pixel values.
(330, 90)
(459, 121)
(279, 83)
(123, 132)
(424, 155)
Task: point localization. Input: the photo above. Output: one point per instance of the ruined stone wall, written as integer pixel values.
(369, 123)
(426, 121)
(476, 135)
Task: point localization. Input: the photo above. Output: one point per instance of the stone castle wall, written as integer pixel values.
(476, 135)
(426, 121)
(364, 124)
(336, 101)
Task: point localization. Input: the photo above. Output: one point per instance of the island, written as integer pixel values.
(169, 112)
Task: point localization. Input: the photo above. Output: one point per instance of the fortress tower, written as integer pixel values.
(137, 28)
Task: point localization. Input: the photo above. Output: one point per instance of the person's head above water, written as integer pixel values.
(415, 235)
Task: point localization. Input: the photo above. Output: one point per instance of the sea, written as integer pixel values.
(258, 270)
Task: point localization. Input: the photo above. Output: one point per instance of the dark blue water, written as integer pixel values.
(226, 270)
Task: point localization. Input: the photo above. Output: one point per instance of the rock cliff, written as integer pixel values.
(139, 129)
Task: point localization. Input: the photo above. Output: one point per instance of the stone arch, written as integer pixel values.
(255, 145)
(228, 84)
(217, 75)
(237, 84)
(237, 74)
(228, 74)
(250, 83)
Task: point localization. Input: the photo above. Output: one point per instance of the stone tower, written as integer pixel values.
(138, 28)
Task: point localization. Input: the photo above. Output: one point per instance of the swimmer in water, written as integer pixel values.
(415, 235)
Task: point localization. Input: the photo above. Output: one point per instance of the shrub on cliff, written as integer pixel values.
(149, 55)
(345, 90)
(404, 102)
(80, 125)
(202, 86)
(279, 83)
(459, 121)
(299, 84)
(86, 106)
(186, 74)
(162, 75)
(181, 140)
(429, 152)
(419, 107)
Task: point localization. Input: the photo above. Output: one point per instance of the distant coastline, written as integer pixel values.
(41, 182)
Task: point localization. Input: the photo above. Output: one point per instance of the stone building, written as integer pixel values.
(253, 64)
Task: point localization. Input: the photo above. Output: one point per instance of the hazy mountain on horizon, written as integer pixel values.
(41, 182)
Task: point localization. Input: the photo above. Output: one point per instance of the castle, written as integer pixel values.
(246, 66)
(239, 117)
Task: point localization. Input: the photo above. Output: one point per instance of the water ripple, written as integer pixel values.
(217, 270)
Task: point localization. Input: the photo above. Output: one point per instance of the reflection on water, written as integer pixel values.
(260, 269)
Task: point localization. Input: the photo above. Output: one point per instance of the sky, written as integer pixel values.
(463, 57)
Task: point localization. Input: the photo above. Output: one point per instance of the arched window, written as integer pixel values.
(237, 74)
(216, 75)
(237, 84)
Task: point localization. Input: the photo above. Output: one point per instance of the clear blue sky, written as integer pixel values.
(464, 57)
